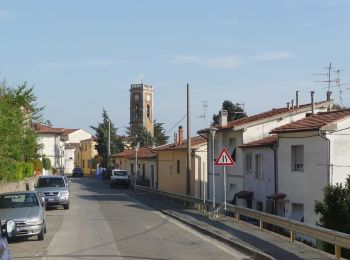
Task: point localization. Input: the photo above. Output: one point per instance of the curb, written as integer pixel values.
(253, 253)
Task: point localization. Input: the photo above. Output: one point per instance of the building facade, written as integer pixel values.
(172, 166)
(146, 165)
(312, 153)
(85, 156)
(234, 134)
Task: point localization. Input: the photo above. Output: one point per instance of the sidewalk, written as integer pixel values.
(242, 236)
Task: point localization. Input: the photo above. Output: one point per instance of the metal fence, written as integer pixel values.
(338, 239)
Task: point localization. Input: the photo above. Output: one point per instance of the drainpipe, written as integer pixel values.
(275, 170)
(328, 163)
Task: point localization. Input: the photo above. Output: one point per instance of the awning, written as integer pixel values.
(244, 194)
(276, 196)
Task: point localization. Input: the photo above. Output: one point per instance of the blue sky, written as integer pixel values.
(83, 55)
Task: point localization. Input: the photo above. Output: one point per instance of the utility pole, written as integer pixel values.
(188, 177)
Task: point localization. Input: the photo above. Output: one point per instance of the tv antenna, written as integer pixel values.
(204, 109)
(328, 74)
(339, 85)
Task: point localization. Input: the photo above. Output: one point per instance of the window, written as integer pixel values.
(248, 163)
(83, 163)
(297, 158)
(85, 147)
(258, 166)
(137, 111)
(148, 111)
(170, 169)
(232, 147)
(178, 166)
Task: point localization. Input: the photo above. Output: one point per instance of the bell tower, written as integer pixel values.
(141, 107)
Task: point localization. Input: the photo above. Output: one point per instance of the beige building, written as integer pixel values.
(85, 156)
(172, 166)
(146, 165)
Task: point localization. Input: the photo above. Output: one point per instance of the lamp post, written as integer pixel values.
(212, 133)
(136, 149)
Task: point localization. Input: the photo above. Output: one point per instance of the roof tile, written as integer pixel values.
(313, 122)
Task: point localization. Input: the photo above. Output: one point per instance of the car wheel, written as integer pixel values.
(66, 206)
(41, 234)
(45, 228)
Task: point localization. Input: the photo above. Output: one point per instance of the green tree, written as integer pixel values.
(335, 211)
(102, 139)
(18, 138)
(234, 112)
(142, 136)
(160, 137)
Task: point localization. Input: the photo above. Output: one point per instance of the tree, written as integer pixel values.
(18, 138)
(142, 136)
(160, 137)
(234, 112)
(102, 139)
(335, 211)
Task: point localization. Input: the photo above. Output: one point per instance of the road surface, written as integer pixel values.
(105, 223)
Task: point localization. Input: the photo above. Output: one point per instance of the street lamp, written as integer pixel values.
(136, 149)
(212, 133)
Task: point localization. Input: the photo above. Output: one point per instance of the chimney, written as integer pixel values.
(181, 135)
(297, 99)
(312, 102)
(292, 103)
(288, 105)
(223, 117)
(329, 93)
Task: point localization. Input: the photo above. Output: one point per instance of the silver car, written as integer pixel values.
(27, 209)
(55, 190)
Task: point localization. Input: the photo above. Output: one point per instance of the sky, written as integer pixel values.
(82, 56)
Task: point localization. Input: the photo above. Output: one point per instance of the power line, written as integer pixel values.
(171, 129)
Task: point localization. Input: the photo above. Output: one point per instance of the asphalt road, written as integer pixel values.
(105, 223)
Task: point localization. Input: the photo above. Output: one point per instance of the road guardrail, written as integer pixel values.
(338, 239)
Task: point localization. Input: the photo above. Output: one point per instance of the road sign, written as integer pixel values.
(224, 159)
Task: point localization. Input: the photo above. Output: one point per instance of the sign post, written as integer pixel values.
(224, 159)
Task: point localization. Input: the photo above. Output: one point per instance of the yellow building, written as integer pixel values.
(84, 156)
(172, 166)
(146, 165)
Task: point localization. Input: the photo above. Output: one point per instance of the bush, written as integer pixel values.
(8, 170)
(38, 166)
(46, 163)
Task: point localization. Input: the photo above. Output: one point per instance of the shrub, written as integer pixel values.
(46, 163)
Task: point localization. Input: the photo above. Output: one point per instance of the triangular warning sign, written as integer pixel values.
(224, 159)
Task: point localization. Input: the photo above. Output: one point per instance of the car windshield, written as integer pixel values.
(51, 182)
(120, 173)
(20, 200)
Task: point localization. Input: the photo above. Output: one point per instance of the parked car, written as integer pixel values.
(119, 177)
(7, 230)
(27, 209)
(77, 172)
(55, 190)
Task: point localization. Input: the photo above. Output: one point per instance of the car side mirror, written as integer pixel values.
(10, 228)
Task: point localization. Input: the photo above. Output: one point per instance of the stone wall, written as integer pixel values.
(26, 184)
